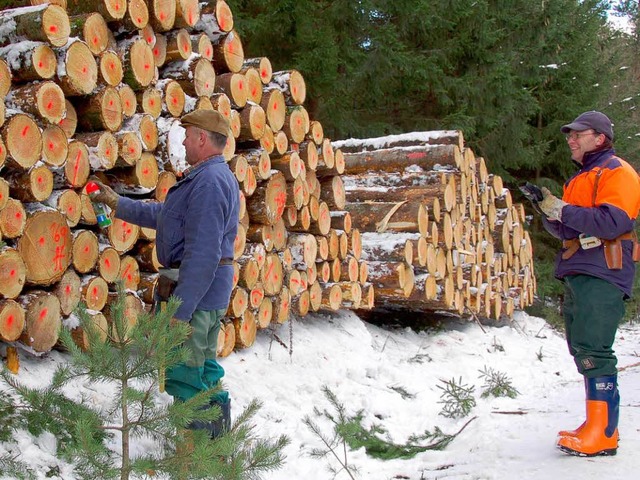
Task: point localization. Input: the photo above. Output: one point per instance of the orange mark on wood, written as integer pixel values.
(53, 29)
(67, 289)
(18, 215)
(84, 69)
(12, 273)
(49, 105)
(107, 152)
(10, 320)
(25, 130)
(208, 52)
(156, 51)
(162, 15)
(41, 240)
(40, 64)
(95, 40)
(147, 66)
(107, 262)
(86, 249)
(43, 313)
(39, 180)
(240, 85)
(416, 155)
(51, 146)
(95, 291)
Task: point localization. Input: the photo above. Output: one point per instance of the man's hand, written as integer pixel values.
(106, 195)
(551, 205)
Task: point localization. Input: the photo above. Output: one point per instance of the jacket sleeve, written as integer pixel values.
(139, 212)
(204, 230)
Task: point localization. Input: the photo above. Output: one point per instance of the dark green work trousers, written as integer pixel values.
(202, 371)
(592, 310)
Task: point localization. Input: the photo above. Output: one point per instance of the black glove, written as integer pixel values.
(534, 195)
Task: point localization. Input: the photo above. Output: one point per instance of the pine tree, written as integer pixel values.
(127, 367)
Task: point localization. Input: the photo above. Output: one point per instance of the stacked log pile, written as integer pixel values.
(97, 88)
(439, 231)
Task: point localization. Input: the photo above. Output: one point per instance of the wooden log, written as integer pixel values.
(34, 185)
(341, 221)
(55, 146)
(43, 99)
(138, 62)
(295, 126)
(238, 303)
(108, 266)
(174, 97)
(399, 158)
(93, 30)
(162, 14)
(201, 44)
(70, 120)
(215, 17)
(252, 122)
(146, 255)
(12, 274)
(12, 319)
(234, 86)
(178, 45)
(129, 148)
(75, 171)
(145, 125)
(436, 137)
(94, 291)
(68, 292)
(122, 235)
(100, 111)
(245, 328)
(271, 274)
(132, 308)
(303, 248)
(254, 84)
(268, 202)
(42, 320)
(131, 179)
(165, 181)
(226, 339)
(85, 251)
(110, 68)
(333, 192)
(80, 336)
(259, 161)
(77, 71)
(129, 274)
(45, 247)
(13, 219)
(68, 203)
(228, 53)
(102, 149)
(195, 75)
(273, 103)
(159, 49)
(262, 65)
(30, 61)
(391, 279)
(45, 23)
(23, 141)
(291, 83)
(109, 9)
(136, 18)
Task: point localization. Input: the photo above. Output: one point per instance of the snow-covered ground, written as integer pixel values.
(366, 367)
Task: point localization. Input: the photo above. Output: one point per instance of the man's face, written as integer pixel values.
(582, 142)
(191, 144)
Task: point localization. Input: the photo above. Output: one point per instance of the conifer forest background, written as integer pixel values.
(508, 74)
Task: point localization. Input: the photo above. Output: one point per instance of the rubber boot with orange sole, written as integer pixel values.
(573, 433)
(599, 436)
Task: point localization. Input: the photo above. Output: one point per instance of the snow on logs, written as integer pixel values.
(96, 87)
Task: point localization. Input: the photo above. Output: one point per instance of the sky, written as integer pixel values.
(366, 367)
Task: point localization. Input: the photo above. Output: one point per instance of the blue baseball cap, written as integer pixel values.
(591, 120)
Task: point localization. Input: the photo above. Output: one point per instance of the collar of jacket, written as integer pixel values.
(191, 172)
(594, 159)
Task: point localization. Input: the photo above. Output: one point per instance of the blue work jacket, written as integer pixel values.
(196, 227)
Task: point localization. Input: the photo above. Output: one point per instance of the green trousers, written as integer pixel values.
(201, 372)
(592, 310)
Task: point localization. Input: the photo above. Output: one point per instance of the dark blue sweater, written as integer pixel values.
(196, 227)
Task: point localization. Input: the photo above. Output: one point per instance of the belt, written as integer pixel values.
(223, 261)
(572, 245)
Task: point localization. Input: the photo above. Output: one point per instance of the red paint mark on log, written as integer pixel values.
(10, 320)
(41, 240)
(43, 314)
(25, 130)
(416, 155)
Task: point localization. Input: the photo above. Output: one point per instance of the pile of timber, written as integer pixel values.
(439, 232)
(97, 88)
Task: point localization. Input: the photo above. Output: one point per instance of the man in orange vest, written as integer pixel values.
(595, 220)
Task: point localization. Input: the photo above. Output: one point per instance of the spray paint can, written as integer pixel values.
(101, 213)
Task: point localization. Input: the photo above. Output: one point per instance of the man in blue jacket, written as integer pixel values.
(196, 227)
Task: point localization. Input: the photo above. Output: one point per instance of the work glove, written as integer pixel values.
(106, 195)
(551, 205)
